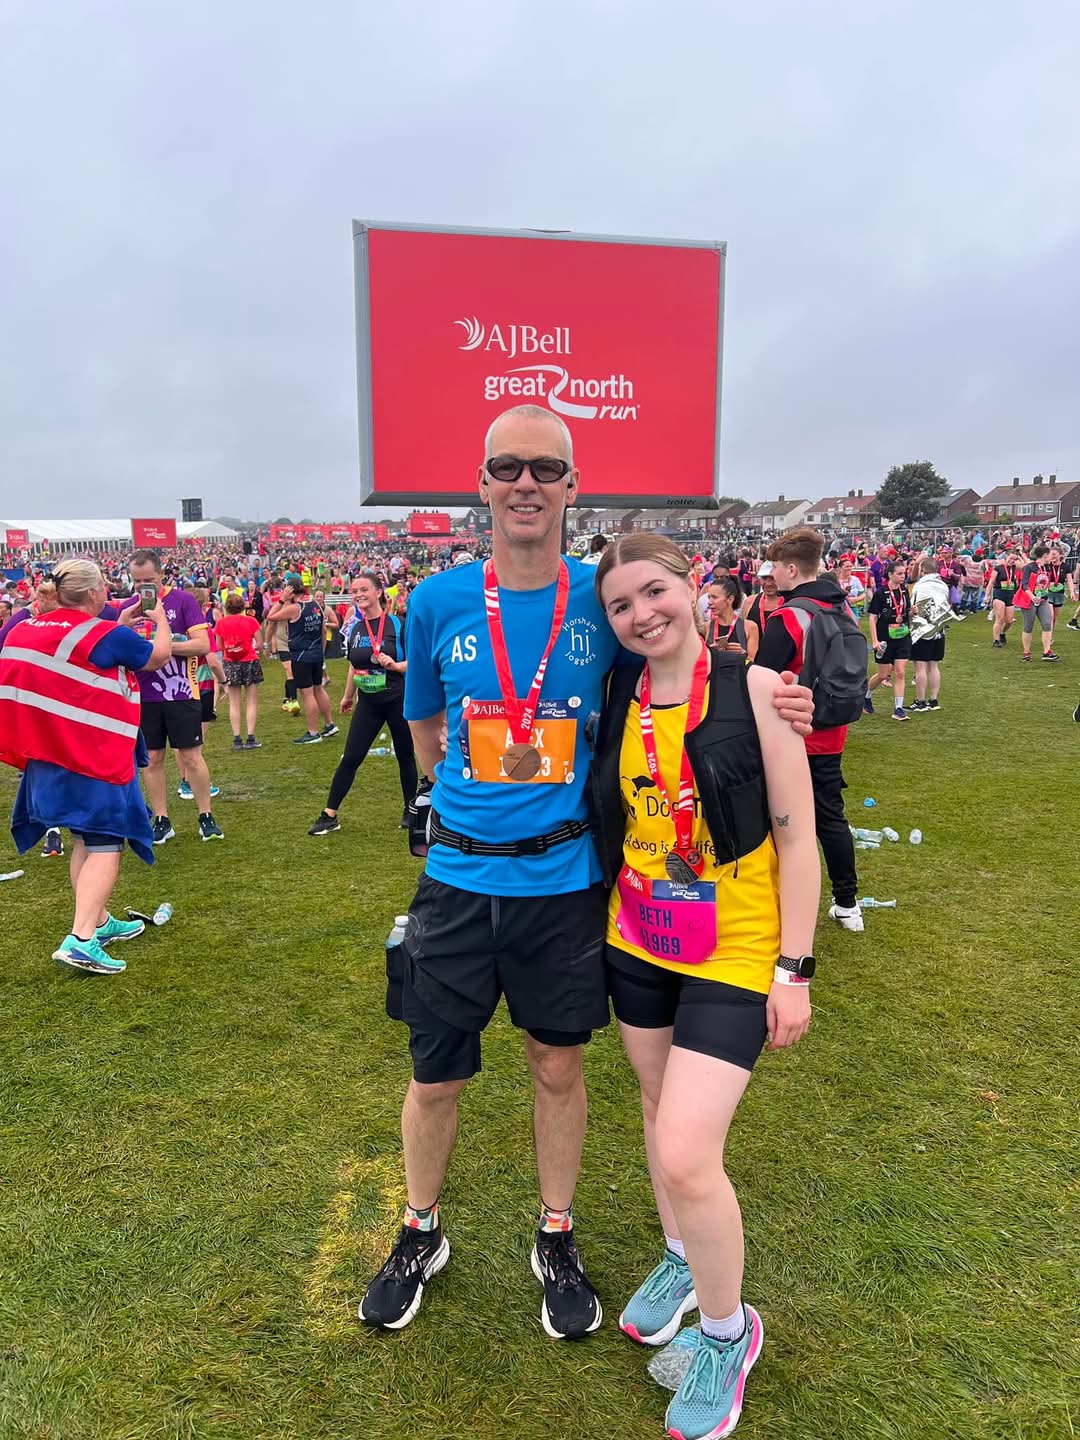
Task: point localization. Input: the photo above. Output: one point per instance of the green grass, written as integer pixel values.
(200, 1160)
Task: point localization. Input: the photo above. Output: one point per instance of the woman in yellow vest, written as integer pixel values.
(704, 820)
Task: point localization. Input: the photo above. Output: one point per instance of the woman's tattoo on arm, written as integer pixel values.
(782, 819)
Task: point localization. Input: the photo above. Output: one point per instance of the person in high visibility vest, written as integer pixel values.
(69, 719)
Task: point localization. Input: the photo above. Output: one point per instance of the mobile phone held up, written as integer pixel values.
(148, 598)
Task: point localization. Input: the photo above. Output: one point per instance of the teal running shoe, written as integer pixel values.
(88, 955)
(668, 1366)
(656, 1308)
(114, 929)
(708, 1403)
(185, 791)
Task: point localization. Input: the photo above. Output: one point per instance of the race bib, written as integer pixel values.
(670, 921)
(486, 738)
(369, 682)
(898, 632)
(1057, 594)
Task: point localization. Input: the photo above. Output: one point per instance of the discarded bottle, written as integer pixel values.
(869, 802)
(890, 834)
(12, 875)
(395, 966)
(163, 913)
(381, 750)
(861, 834)
(867, 844)
(915, 837)
(869, 903)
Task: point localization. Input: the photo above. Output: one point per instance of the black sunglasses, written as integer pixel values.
(545, 470)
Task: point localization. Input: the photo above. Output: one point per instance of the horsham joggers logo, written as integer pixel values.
(552, 385)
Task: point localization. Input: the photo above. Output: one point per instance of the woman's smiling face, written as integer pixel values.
(650, 609)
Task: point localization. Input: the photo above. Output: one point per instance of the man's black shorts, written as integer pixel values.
(709, 1017)
(896, 650)
(177, 721)
(463, 950)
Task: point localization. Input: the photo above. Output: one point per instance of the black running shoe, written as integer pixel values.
(53, 849)
(1072, 624)
(571, 1307)
(328, 730)
(252, 744)
(237, 743)
(393, 1297)
(162, 829)
(933, 704)
(325, 824)
(209, 829)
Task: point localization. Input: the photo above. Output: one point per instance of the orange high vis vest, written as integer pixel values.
(56, 706)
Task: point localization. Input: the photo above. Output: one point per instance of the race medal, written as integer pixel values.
(680, 866)
(521, 762)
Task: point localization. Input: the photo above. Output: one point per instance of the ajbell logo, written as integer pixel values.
(514, 339)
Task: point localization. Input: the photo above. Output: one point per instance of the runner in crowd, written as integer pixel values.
(692, 951)
(928, 654)
(889, 615)
(209, 676)
(853, 588)
(306, 629)
(972, 582)
(796, 563)
(375, 644)
(171, 710)
(726, 628)
(758, 610)
(277, 643)
(1033, 597)
(1002, 584)
(238, 635)
(509, 657)
(1062, 580)
(69, 719)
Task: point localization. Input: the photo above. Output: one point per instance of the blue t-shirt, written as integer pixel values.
(450, 666)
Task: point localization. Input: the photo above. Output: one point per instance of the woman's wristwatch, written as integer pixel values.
(794, 971)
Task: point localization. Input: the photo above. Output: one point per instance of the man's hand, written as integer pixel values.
(794, 703)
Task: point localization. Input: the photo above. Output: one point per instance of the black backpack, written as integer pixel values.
(834, 660)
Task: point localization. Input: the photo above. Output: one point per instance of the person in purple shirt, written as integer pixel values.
(171, 710)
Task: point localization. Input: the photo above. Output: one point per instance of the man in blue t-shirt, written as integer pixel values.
(510, 657)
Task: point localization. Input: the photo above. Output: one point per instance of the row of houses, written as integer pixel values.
(1040, 503)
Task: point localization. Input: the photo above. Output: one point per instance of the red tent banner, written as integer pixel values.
(17, 538)
(153, 534)
(620, 337)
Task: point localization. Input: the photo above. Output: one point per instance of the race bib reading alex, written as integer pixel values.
(486, 737)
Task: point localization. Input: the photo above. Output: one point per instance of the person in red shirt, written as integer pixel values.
(238, 638)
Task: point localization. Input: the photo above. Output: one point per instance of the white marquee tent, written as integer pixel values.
(105, 534)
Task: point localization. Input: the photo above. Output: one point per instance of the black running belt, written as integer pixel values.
(438, 834)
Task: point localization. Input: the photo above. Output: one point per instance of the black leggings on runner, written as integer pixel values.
(369, 716)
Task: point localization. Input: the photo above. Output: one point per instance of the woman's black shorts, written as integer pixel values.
(929, 649)
(708, 1016)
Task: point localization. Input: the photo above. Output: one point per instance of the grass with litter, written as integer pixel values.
(200, 1159)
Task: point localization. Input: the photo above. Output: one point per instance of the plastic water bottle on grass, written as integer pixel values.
(869, 903)
(862, 834)
(890, 834)
(915, 837)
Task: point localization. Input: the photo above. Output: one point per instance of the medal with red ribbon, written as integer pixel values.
(375, 639)
(522, 759)
(684, 863)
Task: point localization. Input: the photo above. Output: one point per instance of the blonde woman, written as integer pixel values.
(69, 719)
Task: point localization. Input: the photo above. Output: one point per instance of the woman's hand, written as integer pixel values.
(787, 1014)
(794, 703)
(348, 696)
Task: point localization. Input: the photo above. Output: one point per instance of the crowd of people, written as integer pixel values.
(626, 762)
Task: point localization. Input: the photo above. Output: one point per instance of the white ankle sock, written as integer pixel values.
(731, 1328)
(675, 1246)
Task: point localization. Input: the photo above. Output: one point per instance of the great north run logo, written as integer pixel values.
(551, 384)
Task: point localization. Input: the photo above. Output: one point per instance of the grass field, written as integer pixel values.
(200, 1160)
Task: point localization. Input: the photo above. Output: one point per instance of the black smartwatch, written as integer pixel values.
(804, 966)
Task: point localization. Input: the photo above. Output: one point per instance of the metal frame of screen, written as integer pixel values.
(442, 497)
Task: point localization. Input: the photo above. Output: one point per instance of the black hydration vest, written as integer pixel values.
(725, 757)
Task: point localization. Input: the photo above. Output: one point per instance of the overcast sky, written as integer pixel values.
(897, 184)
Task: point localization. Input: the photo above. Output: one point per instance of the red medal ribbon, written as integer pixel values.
(897, 604)
(682, 813)
(520, 714)
(376, 640)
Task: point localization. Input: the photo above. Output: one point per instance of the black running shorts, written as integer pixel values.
(463, 950)
(709, 1017)
(179, 722)
(896, 650)
(307, 676)
(929, 649)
